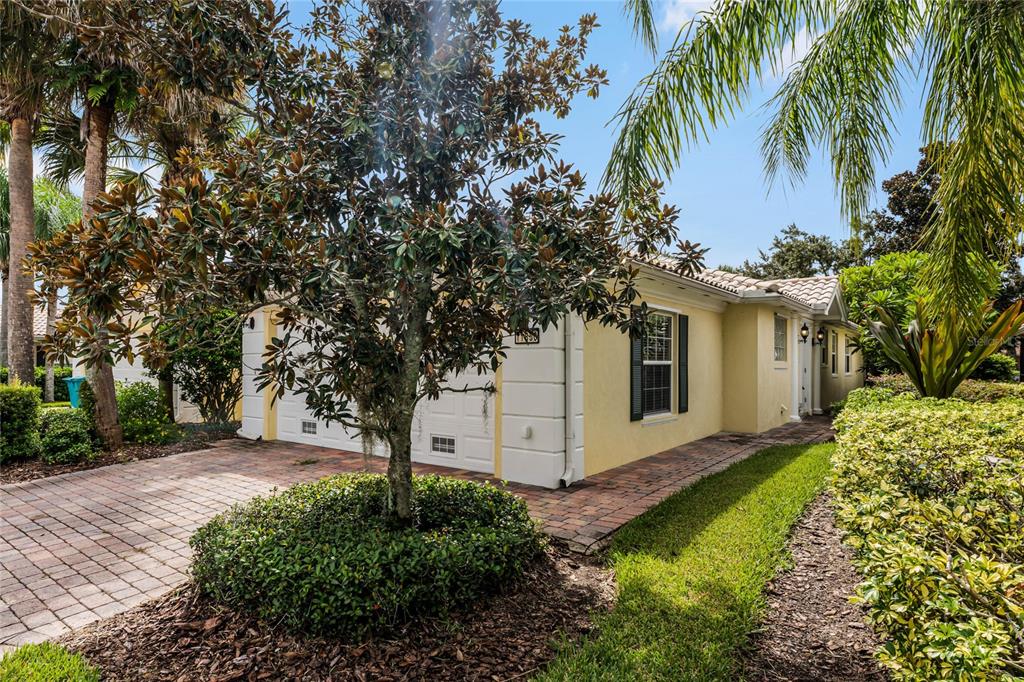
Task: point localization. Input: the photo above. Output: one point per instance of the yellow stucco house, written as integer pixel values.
(723, 352)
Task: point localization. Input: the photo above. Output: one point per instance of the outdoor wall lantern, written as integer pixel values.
(820, 335)
(804, 333)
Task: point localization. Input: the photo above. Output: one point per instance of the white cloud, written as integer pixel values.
(678, 13)
(797, 48)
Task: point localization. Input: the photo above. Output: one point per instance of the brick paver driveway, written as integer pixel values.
(86, 545)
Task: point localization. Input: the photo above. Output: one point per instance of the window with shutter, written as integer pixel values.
(684, 362)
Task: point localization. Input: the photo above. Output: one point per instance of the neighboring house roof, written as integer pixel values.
(38, 323)
(817, 293)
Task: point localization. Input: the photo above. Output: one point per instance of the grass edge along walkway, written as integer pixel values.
(691, 572)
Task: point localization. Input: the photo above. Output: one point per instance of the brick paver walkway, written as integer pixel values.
(82, 546)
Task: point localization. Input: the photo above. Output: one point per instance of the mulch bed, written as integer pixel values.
(28, 470)
(183, 636)
(811, 630)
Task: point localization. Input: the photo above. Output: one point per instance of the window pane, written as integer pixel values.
(780, 338)
(657, 388)
(658, 339)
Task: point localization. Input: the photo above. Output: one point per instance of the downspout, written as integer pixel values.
(568, 470)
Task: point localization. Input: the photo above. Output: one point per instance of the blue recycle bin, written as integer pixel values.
(74, 383)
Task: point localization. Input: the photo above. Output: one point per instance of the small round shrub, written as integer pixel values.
(141, 411)
(45, 662)
(19, 421)
(322, 558)
(65, 436)
(996, 367)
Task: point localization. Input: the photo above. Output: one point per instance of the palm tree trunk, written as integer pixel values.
(5, 306)
(101, 375)
(51, 326)
(20, 342)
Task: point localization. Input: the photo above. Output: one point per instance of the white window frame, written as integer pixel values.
(671, 362)
(847, 355)
(834, 354)
(775, 338)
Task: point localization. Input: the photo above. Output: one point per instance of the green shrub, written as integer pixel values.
(55, 405)
(19, 421)
(60, 389)
(931, 496)
(45, 662)
(996, 367)
(87, 403)
(321, 558)
(140, 409)
(971, 390)
(65, 436)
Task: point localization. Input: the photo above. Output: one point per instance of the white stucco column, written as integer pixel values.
(816, 374)
(795, 365)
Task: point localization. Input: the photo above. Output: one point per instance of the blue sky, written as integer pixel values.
(721, 191)
(720, 188)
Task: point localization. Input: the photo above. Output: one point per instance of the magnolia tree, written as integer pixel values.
(398, 204)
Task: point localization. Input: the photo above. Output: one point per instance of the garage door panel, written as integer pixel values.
(465, 417)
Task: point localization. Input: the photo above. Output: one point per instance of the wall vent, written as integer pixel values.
(444, 445)
(308, 427)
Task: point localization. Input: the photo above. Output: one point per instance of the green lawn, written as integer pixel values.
(691, 572)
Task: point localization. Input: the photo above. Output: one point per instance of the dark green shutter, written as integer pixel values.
(684, 372)
(636, 374)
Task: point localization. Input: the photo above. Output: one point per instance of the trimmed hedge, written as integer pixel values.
(997, 367)
(60, 389)
(45, 662)
(65, 436)
(971, 390)
(19, 421)
(321, 558)
(931, 496)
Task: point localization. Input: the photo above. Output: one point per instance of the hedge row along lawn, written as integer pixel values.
(692, 572)
(931, 493)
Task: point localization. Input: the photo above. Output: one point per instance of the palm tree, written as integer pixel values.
(844, 94)
(5, 253)
(26, 68)
(55, 208)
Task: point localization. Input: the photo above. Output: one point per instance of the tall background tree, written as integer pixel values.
(26, 69)
(796, 253)
(399, 204)
(104, 55)
(844, 95)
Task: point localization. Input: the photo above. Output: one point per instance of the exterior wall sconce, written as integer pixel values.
(819, 337)
(804, 333)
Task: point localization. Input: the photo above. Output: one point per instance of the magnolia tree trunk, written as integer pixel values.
(20, 341)
(400, 472)
(51, 326)
(5, 307)
(100, 376)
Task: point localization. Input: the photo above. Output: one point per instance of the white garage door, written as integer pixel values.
(455, 431)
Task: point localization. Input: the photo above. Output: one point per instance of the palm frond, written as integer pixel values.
(975, 106)
(701, 81)
(645, 28)
(843, 94)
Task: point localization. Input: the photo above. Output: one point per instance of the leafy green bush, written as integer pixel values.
(19, 421)
(972, 390)
(931, 496)
(997, 367)
(140, 409)
(321, 558)
(45, 662)
(60, 389)
(65, 436)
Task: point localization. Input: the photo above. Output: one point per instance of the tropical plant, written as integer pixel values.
(400, 206)
(26, 69)
(844, 95)
(110, 51)
(938, 356)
